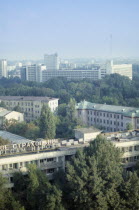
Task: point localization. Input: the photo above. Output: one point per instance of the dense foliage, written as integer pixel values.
(113, 89)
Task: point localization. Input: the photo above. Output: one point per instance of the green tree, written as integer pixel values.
(36, 191)
(130, 192)
(4, 141)
(129, 126)
(7, 200)
(47, 123)
(94, 176)
(17, 108)
(2, 104)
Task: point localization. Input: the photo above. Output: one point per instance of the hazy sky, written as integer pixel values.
(72, 28)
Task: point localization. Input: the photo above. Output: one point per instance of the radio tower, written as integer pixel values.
(111, 56)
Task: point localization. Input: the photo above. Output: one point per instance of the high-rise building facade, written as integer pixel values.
(3, 68)
(51, 62)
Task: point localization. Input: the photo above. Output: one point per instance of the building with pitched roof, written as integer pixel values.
(108, 117)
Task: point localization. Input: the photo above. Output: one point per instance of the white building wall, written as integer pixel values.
(3, 68)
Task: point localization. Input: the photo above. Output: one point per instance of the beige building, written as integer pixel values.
(87, 134)
(10, 115)
(31, 106)
(108, 117)
(128, 143)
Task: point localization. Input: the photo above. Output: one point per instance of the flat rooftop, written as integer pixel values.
(123, 136)
(88, 130)
(27, 98)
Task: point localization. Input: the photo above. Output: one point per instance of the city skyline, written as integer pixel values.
(74, 29)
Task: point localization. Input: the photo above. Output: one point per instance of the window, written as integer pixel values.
(121, 116)
(107, 115)
(104, 121)
(111, 122)
(50, 171)
(107, 121)
(50, 159)
(103, 114)
(117, 116)
(110, 115)
(122, 124)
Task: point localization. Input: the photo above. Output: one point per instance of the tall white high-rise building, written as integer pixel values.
(3, 68)
(51, 62)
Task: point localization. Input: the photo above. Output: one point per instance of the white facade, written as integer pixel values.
(3, 68)
(10, 115)
(122, 69)
(31, 106)
(72, 74)
(51, 62)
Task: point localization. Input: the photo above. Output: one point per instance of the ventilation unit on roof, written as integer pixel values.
(123, 110)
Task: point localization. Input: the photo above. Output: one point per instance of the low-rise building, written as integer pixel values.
(31, 106)
(108, 117)
(87, 134)
(6, 115)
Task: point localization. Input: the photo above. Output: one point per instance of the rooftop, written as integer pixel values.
(121, 137)
(88, 130)
(126, 111)
(27, 98)
(13, 138)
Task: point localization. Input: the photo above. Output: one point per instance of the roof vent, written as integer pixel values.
(123, 110)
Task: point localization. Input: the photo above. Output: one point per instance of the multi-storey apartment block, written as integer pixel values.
(51, 155)
(31, 106)
(108, 117)
(48, 155)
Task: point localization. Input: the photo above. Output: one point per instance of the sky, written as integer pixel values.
(72, 28)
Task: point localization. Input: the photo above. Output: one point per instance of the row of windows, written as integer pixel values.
(109, 122)
(19, 103)
(21, 164)
(105, 114)
(130, 159)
